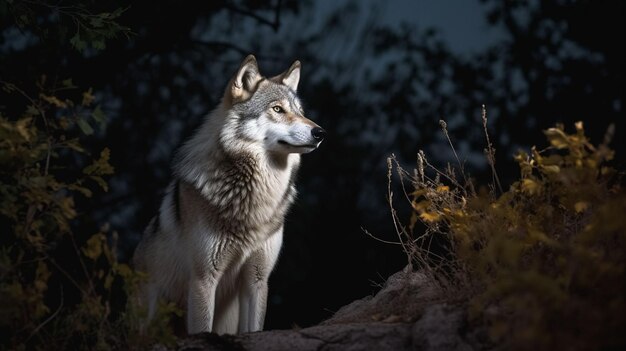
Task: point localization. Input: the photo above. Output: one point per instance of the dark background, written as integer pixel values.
(378, 76)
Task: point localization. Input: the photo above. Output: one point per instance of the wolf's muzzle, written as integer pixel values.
(318, 133)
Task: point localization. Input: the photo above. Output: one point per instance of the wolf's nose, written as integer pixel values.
(318, 133)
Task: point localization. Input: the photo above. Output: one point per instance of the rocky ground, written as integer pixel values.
(406, 314)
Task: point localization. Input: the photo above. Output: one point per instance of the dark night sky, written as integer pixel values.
(462, 24)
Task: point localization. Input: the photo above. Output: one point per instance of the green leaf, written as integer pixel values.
(100, 166)
(22, 127)
(98, 44)
(96, 22)
(67, 83)
(54, 101)
(23, 20)
(117, 12)
(103, 184)
(108, 281)
(123, 270)
(42, 276)
(85, 191)
(32, 111)
(88, 97)
(84, 126)
(66, 205)
(78, 43)
(99, 116)
(74, 144)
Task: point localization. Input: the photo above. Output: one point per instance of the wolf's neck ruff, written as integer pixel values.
(245, 192)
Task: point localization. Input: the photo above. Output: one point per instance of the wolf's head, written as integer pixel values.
(267, 112)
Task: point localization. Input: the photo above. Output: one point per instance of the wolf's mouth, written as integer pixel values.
(282, 142)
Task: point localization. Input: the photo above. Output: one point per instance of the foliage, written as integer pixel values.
(74, 19)
(59, 288)
(62, 286)
(542, 264)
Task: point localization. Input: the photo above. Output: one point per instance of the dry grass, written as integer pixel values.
(542, 264)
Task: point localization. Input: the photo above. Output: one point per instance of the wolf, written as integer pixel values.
(219, 229)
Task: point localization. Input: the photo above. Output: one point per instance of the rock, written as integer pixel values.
(402, 298)
(408, 313)
(348, 337)
(440, 328)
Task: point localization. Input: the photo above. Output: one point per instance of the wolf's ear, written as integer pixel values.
(290, 77)
(246, 79)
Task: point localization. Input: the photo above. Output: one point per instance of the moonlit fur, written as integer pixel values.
(219, 228)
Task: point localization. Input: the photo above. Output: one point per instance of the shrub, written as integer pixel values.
(60, 288)
(542, 264)
(62, 285)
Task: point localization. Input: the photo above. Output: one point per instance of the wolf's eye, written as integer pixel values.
(278, 109)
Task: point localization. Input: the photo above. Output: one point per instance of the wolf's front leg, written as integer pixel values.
(200, 304)
(252, 301)
(253, 289)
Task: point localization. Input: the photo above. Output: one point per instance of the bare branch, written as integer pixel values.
(379, 239)
(47, 320)
(444, 128)
(490, 151)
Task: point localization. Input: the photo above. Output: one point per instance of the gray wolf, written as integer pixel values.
(219, 229)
